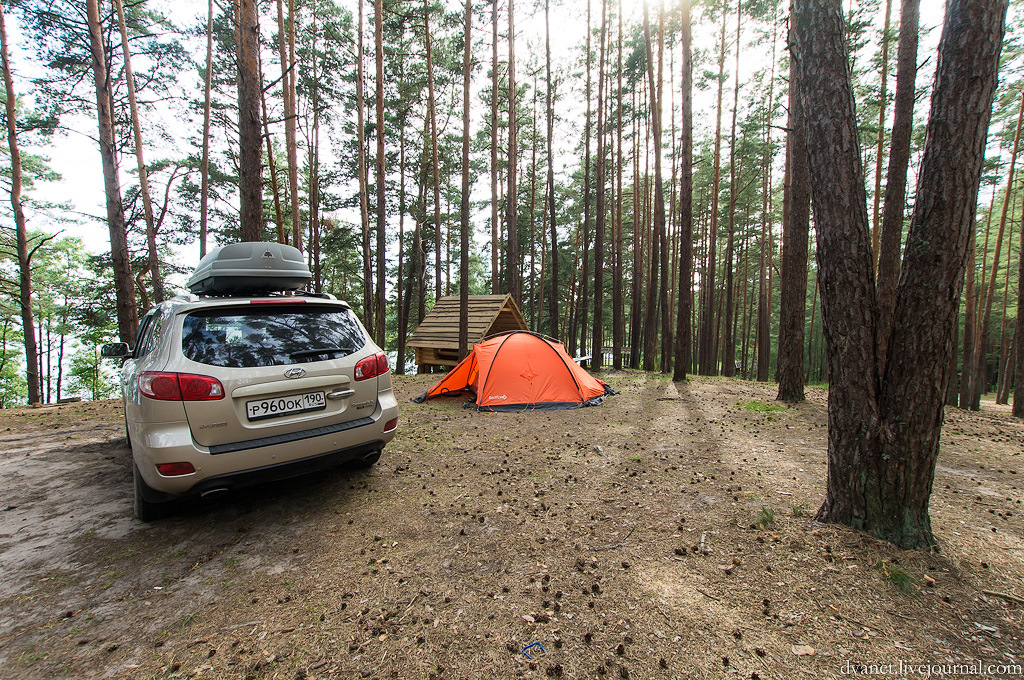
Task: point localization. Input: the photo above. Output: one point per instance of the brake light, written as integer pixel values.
(175, 469)
(391, 425)
(180, 386)
(371, 367)
(278, 301)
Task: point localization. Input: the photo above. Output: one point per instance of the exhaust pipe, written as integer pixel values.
(214, 493)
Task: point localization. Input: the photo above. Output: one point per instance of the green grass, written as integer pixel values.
(761, 406)
(764, 519)
(897, 576)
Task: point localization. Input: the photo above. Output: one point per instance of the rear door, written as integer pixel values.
(285, 367)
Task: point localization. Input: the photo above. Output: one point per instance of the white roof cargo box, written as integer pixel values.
(250, 268)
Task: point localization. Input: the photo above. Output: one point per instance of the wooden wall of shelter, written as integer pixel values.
(436, 340)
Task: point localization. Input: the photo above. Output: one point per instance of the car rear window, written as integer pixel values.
(270, 335)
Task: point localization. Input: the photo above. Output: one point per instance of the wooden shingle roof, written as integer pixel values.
(488, 314)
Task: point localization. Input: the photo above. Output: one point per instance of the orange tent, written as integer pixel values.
(520, 371)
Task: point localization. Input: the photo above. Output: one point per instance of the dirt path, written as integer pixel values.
(665, 534)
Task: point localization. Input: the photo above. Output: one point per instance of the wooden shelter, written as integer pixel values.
(436, 341)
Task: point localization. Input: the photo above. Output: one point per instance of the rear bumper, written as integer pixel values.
(254, 461)
(273, 473)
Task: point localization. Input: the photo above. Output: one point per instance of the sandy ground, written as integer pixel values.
(668, 533)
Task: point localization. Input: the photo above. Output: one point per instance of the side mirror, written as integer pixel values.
(115, 350)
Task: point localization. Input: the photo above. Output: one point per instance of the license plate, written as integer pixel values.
(261, 409)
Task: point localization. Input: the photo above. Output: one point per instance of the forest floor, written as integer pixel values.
(668, 533)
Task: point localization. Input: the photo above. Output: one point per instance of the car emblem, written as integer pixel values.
(295, 373)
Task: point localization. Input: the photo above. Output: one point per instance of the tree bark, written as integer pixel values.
(585, 279)
(883, 104)
(250, 181)
(24, 257)
(288, 96)
(552, 211)
(467, 70)
(795, 227)
(685, 296)
(147, 205)
(729, 341)
(651, 322)
(1018, 336)
(896, 176)
(127, 313)
(495, 276)
(708, 364)
(511, 197)
(364, 202)
(204, 187)
(884, 428)
(979, 374)
(378, 40)
(597, 342)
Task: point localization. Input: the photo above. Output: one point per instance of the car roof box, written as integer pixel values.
(250, 268)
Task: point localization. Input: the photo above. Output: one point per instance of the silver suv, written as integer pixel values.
(225, 391)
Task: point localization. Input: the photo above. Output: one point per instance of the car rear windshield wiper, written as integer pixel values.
(318, 350)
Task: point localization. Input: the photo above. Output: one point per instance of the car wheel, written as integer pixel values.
(148, 511)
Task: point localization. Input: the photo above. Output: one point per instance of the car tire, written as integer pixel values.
(145, 510)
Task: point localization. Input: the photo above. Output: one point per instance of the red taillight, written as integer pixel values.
(199, 387)
(180, 386)
(175, 469)
(278, 301)
(391, 425)
(371, 367)
(162, 386)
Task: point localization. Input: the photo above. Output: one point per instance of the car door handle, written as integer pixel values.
(340, 394)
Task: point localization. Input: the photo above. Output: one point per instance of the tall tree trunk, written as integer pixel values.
(24, 257)
(729, 353)
(597, 343)
(435, 164)
(290, 141)
(1002, 392)
(884, 428)
(685, 296)
(381, 176)
(883, 95)
(1018, 336)
(708, 364)
(272, 164)
(552, 211)
(204, 188)
(511, 198)
(364, 207)
(896, 176)
(979, 376)
(314, 168)
(618, 312)
(659, 198)
(651, 322)
(795, 226)
(585, 279)
(124, 290)
(147, 205)
(467, 71)
(970, 323)
(495, 278)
